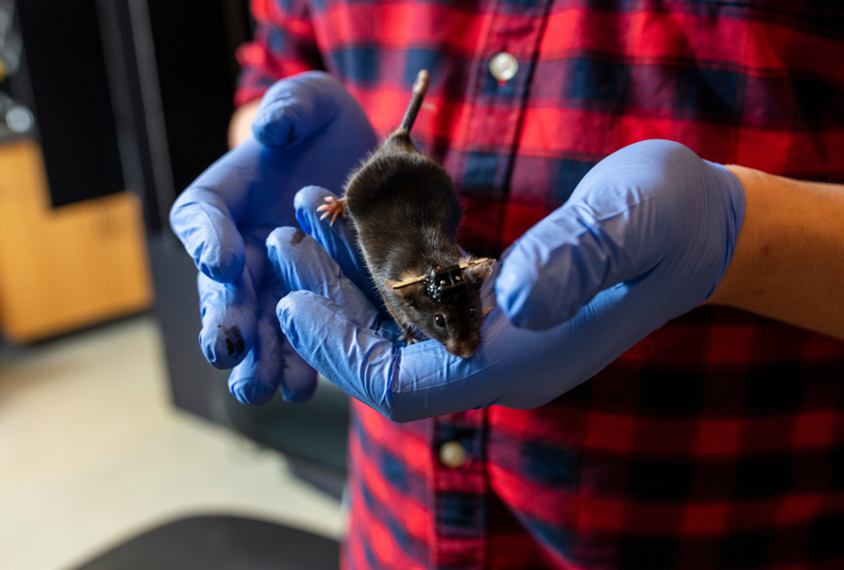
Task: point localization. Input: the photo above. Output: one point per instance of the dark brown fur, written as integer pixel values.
(406, 212)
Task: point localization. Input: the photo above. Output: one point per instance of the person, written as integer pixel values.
(660, 385)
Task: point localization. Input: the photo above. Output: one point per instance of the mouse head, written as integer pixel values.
(446, 305)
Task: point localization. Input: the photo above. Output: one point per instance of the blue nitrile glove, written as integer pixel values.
(308, 130)
(652, 226)
(652, 215)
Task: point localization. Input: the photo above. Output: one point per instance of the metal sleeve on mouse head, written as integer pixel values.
(446, 284)
(443, 284)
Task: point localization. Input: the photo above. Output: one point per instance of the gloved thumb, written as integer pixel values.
(295, 108)
(641, 207)
(560, 265)
(201, 219)
(651, 212)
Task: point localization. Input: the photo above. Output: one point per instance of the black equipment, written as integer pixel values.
(446, 284)
(128, 94)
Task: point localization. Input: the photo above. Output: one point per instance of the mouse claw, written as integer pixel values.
(333, 208)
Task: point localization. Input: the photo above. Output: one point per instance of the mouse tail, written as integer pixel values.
(420, 87)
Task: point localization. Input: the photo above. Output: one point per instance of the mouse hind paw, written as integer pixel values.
(333, 207)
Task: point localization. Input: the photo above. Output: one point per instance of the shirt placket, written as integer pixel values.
(460, 488)
(502, 74)
(500, 86)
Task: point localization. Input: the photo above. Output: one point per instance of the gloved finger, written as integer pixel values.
(424, 380)
(298, 378)
(358, 360)
(271, 362)
(616, 226)
(301, 264)
(203, 222)
(228, 319)
(338, 239)
(297, 107)
(229, 310)
(249, 184)
(241, 189)
(414, 382)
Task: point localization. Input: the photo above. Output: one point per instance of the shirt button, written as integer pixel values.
(503, 66)
(452, 455)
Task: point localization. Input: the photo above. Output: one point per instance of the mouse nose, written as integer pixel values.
(465, 349)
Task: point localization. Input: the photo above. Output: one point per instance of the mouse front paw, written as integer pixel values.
(408, 337)
(333, 207)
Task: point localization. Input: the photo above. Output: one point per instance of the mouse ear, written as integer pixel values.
(476, 274)
(405, 294)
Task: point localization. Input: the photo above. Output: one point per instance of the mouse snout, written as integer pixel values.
(464, 348)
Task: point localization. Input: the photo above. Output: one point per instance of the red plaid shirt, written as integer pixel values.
(716, 442)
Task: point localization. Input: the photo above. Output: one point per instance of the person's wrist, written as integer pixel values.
(240, 126)
(738, 278)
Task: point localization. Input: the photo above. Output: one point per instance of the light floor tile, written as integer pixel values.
(92, 452)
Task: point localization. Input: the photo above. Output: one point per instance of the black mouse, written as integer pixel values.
(405, 211)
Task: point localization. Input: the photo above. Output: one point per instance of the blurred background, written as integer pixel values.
(118, 442)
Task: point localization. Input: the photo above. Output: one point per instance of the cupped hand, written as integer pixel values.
(652, 224)
(646, 236)
(308, 130)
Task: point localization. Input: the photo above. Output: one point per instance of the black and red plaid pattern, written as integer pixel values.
(718, 441)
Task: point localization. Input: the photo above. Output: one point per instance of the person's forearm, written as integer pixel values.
(240, 126)
(789, 260)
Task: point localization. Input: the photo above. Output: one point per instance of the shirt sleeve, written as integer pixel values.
(284, 45)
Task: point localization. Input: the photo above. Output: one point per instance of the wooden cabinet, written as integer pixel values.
(66, 268)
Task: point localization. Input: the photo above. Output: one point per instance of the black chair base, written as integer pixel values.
(221, 543)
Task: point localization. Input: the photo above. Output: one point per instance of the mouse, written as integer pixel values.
(405, 211)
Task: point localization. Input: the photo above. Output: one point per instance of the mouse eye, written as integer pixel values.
(439, 320)
(472, 312)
